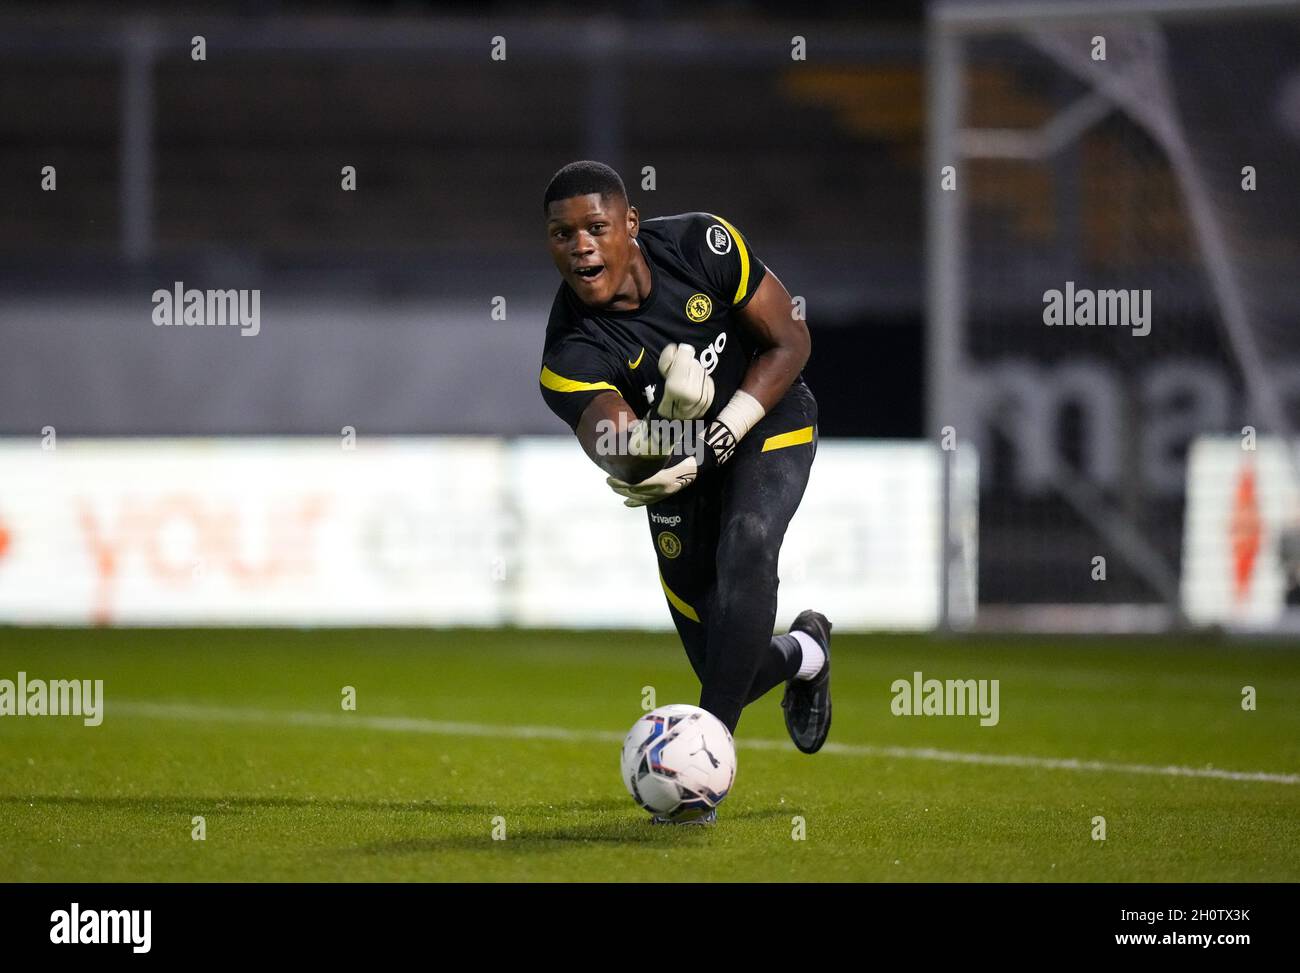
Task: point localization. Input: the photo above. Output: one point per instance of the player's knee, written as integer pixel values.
(749, 542)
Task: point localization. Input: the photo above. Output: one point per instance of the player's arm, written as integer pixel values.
(618, 442)
(759, 302)
(579, 384)
(783, 341)
(764, 309)
(784, 346)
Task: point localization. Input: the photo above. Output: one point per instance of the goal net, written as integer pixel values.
(1114, 283)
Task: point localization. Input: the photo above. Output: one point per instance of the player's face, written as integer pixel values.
(590, 240)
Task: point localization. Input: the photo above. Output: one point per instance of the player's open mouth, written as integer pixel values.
(589, 273)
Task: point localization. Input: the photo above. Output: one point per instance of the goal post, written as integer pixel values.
(1113, 235)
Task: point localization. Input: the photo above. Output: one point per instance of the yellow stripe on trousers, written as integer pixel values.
(676, 602)
(796, 438)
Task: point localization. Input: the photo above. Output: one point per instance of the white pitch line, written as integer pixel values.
(412, 724)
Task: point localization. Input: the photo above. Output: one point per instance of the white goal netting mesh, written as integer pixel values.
(1145, 165)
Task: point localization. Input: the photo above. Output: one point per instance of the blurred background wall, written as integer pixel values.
(377, 304)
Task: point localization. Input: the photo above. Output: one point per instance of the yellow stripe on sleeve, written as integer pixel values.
(795, 438)
(744, 259)
(676, 602)
(557, 383)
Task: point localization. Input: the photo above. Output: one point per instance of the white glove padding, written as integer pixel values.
(654, 488)
(688, 389)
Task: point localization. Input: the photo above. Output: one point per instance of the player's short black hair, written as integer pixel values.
(581, 179)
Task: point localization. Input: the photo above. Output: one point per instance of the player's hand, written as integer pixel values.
(688, 389)
(654, 488)
(650, 439)
(717, 447)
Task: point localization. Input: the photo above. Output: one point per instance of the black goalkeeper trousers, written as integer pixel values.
(717, 544)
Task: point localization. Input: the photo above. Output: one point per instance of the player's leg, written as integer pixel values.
(684, 528)
(685, 535)
(762, 487)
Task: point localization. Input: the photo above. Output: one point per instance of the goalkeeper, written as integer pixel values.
(675, 318)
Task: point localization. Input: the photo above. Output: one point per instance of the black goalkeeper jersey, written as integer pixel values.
(701, 272)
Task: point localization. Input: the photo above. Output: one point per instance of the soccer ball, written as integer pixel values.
(678, 761)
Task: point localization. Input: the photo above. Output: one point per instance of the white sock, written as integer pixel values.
(813, 656)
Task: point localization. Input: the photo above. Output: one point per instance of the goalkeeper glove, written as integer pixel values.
(688, 389)
(737, 417)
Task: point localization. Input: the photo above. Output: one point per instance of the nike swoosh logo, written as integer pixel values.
(633, 364)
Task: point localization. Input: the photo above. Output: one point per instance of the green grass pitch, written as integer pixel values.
(245, 728)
